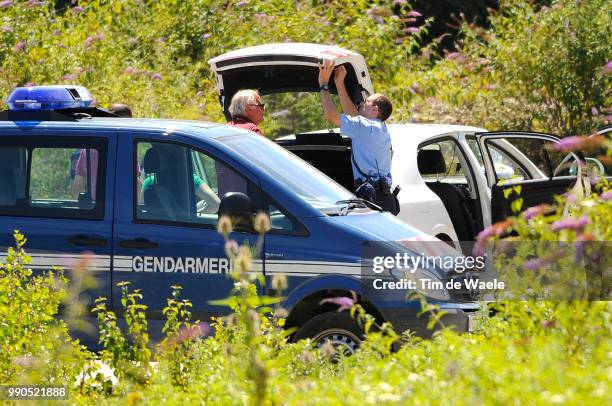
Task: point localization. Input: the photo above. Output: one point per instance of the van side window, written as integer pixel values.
(179, 184)
(60, 183)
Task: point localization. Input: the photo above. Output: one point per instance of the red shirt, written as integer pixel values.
(246, 124)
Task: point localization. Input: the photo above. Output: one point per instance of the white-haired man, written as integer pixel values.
(247, 110)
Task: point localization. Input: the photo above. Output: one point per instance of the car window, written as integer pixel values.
(180, 184)
(454, 169)
(293, 173)
(506, 167)
(279, 220)
(529, 158)
(473, 144)
(63, 181)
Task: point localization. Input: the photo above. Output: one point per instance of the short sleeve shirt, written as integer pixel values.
(371, 143)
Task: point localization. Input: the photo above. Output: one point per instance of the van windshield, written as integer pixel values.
(295, 174)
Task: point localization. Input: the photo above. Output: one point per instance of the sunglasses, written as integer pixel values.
(261, 105)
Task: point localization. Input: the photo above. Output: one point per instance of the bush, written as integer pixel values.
(536, 68)
(35, 345)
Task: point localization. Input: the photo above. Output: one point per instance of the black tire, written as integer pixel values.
(337, 327)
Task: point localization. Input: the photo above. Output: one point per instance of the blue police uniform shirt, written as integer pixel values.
(371, 146)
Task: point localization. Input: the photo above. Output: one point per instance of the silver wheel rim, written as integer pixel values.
(340, 339)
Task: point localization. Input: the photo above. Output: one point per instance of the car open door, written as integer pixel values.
(524, 169)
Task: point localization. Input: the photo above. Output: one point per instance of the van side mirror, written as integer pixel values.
(239, 208)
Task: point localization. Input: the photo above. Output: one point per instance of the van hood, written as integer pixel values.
(286, 67)
(379, 226)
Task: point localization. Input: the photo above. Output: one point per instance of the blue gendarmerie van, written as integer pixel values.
(142, 196)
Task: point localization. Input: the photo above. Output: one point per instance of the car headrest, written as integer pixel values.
(430, 162)
(154, 161)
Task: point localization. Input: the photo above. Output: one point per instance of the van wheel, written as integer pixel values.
(338, 328)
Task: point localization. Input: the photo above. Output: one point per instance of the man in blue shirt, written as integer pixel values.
(371, 143)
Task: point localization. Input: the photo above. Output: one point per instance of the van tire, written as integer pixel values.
(337, 327)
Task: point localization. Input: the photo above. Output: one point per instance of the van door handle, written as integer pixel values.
(86, 240)
(141, 243)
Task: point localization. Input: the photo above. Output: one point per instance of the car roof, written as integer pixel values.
(421, 132)
(417, 132)
(188, 126)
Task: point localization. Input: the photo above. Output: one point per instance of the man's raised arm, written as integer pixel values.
(329, 109)
(345, 101)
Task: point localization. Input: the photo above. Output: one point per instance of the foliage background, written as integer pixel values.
(536, 68)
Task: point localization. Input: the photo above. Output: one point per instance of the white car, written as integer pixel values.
(455, 180)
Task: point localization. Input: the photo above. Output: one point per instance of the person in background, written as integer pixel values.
(78, 165)
(371, 143)
(247, 110)
(121, 110)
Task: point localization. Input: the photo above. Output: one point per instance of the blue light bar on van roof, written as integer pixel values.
(49, 98)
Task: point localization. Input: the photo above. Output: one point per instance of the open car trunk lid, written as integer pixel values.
(286, 67)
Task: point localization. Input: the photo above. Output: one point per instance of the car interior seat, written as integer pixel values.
(159, 198)
(431, 162)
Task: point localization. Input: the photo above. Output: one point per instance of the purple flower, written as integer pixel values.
(34, 3)
(455, 56)
(241, 3)
(536, 211)
(93, 38)
(415, 88)
(571, 224)
(187, 333)
(56, 33)
(538, 263)
(231, 247)
(345, 303)
(77, 9)
(569, 143)
(70, 76)
(6, 3)
(6, 28)
(571, 198)
(156, 76)
(607, 68)
(414, 13)
(411, 30)
(130, 70)
(206, 36)
(496, 229)
(19, 46)
(199, 93)
(607, 196)
(594, 111)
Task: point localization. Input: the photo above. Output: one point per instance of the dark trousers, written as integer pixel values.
(387, 202)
